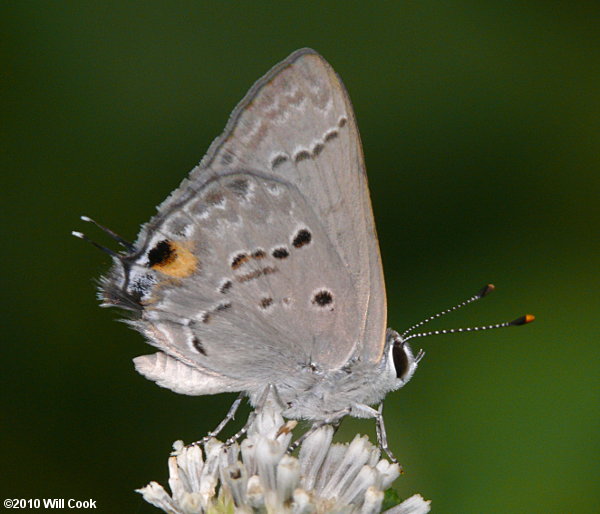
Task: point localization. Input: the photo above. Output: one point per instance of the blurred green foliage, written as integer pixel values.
(480, 127)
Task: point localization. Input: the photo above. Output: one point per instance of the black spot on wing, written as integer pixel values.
(197, 344)
(225, 286)
(330, 135)
(267, 270)
(302, 155)
(280, 253)
(161, 253)
(223, 306)
(278, 160)
(266, 302)
(238, 260)
(302, 238)
(323, 298)
(207, 316)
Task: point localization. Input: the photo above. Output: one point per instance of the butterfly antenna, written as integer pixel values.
(523, 320)
(114, 235)
(110, 252)
(484, 291)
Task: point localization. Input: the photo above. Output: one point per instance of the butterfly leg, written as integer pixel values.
(336, 425)
(242, 430)
(370, 412)
(382, 435)
(228, 417)
(260, 404)
(271, 389)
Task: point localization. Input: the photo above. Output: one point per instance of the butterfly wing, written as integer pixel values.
(298, 123)
(266, 259)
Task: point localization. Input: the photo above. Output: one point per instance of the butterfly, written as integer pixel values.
(261, 273)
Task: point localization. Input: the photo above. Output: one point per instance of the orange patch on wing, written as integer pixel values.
(179, 263)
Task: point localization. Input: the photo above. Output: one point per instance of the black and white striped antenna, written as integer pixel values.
(522, 320)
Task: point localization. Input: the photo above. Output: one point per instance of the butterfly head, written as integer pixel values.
(401, 359)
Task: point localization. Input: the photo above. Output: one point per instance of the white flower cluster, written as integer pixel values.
(259, 476)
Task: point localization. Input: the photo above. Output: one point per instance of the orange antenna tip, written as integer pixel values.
(486, 290)
(523, 320)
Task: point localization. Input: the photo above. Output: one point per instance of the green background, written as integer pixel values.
(480, 125)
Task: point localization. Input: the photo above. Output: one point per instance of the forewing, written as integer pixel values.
(298, 124)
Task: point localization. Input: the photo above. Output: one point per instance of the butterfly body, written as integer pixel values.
(356, 385)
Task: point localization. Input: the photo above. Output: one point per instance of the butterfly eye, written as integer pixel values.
(402, 360)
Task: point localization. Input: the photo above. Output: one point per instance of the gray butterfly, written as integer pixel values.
(262, 272)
